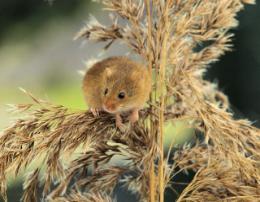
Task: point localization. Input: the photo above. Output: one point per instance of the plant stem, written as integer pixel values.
(152, 125)
(163, 63)
(152, 183)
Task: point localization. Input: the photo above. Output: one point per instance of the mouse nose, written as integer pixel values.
(109, 107)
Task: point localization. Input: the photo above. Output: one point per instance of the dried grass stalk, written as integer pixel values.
(178, 40)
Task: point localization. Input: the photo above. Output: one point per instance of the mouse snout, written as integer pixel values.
(109, 107)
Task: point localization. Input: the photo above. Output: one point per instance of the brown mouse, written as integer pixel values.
(117, 85)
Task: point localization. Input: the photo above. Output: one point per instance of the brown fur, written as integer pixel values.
(118, 74)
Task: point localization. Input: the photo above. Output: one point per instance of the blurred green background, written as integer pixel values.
(38, 54)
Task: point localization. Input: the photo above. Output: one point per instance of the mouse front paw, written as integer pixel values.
(95, 111)
(122, 127)
(119, 124)
(134, 116)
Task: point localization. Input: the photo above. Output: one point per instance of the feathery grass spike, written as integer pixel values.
(226, 161)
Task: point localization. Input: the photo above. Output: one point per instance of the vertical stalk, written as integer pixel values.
(152, 183)
(158, 126)
(163, 63)
(149, 40)
(150, 59)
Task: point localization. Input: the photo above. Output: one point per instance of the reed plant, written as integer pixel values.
(177, 40)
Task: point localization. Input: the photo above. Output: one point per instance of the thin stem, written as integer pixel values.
(150, 59)
(163, 63)
(152, 183)
(149, 36)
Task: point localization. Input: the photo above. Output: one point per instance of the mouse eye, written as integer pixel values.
(106, 91)
(121, 95)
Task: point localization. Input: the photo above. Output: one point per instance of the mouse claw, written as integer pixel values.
(122, 127)
(95, 111)
(119, 124)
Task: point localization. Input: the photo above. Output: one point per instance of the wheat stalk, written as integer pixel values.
(165, 34)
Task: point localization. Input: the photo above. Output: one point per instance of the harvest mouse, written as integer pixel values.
(117, 85)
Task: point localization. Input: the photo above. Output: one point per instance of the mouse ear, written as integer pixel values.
(108, 72)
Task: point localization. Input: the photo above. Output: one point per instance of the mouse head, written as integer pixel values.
(121, 91)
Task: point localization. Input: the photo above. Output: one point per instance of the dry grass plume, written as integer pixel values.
(165, 34)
